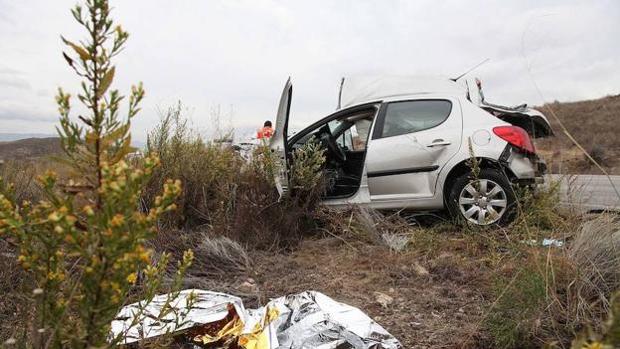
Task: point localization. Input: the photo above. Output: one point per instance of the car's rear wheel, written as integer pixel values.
(485, 200)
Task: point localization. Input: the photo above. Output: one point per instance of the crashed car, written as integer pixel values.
(408, 143)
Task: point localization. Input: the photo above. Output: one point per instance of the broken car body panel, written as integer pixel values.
(529, 119)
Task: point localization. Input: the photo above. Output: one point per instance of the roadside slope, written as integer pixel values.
(593, 123)
(29, 148)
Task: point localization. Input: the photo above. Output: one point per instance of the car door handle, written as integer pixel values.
(439, 142)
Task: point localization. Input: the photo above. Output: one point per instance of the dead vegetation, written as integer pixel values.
(30, 148)
(594, 124)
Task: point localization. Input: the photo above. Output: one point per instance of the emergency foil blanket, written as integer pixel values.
(216, 320)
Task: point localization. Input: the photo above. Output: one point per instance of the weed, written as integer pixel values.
(515, 314)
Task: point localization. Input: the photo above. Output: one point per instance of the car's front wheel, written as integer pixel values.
(485, 200)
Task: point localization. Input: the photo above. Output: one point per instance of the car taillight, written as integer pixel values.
(516, 136)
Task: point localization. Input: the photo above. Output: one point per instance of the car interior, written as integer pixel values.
(345, 140)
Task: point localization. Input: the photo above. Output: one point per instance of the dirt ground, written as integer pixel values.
(432, 301)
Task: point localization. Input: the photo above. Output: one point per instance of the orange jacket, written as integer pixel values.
(265, 132)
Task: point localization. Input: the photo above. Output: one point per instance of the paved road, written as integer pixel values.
(587, 193)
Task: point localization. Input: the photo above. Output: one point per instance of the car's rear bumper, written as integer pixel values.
(523, 168)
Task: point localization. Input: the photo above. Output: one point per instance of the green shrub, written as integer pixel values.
(306, 169)
(84, 244)
(229, 196)
(208, 170)
(259, 217)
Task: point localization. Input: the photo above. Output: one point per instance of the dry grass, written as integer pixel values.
(548, 295)
(595, 254)
(21, 175)
(218, 261)
(14, 287)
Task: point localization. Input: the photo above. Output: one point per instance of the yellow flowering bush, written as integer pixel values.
(84, 245)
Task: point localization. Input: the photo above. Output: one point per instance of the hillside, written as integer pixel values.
(594, 124)
(29, 148)
(9, 137)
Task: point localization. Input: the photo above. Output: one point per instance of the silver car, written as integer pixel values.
(398, 142)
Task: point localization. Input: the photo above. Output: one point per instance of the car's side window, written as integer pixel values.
(413, 116)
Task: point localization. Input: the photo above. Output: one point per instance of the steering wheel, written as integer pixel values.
(332, 145)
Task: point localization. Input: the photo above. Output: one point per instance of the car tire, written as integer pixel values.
(486, 200)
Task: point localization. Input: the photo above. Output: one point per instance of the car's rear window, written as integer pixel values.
(413, 116)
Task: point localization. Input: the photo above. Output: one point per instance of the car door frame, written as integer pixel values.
(375, 136)
(362, 196)
(278, 143)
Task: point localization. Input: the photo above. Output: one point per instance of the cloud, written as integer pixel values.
(11, 78)
(17, 114)
(239, 53)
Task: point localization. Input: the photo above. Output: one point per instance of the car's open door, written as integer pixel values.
(279, 142)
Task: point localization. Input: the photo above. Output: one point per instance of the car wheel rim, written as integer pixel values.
(483, 202)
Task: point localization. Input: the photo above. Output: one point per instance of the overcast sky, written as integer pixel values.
(238, 54)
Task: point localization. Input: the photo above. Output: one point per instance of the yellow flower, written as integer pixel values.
(593, 345)
(88, 210)
(132, 278)
(54, 217)
(136, 174)
(117, 220)
(70, 219)
(143, 254)
(115, 298)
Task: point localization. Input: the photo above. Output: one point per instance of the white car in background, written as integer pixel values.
(406, 143)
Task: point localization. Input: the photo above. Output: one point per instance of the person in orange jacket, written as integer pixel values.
(266, 131)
